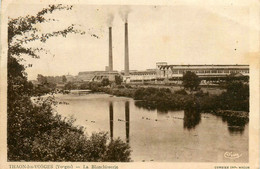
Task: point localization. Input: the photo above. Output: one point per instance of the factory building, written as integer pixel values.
(97, 76)
(148, 75)
(207, 73)
(165, 73)
(203, 71)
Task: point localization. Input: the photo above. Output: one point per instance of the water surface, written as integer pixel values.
(158, 136)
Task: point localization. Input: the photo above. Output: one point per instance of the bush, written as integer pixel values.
(200, 93)
(84, 86)
(128, 86)
(70, 86)
(105, 82)
(190, 81)
(120, 87)
(35, 134)
(181, 92)
(117, 150)
(118, 79)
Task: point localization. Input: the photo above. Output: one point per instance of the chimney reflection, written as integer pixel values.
(111, 118)
(127, 126)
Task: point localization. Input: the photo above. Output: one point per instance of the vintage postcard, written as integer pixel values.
(115, 85)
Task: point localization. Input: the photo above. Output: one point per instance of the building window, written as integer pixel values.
(226, 71)
(213, 71)
(220, 71)
(175, 72)
(207, 71)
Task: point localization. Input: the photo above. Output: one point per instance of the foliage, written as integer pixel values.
(41, 79)
(35, 134)
(200, 93)
(105, 82)
(70, 86)
(94, 86)
(117, 151)
(64, 79)
(181, 91)
(236, 97)
(190, 81)
(84, 86)
(128, 86)
(23, 30)
(41, 90)
(34, 131)
(238, 90)
(162, 99)
(118, 79)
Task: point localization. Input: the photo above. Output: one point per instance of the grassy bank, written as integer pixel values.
(233, 102)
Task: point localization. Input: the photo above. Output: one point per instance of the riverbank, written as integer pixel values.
(232, 103)
(231, 113)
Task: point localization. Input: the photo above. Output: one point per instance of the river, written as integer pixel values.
(172, 136)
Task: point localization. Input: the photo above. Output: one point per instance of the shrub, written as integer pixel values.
(35, 134)
(118, 79)
(105, 82)
(181, 92)
(190, 81)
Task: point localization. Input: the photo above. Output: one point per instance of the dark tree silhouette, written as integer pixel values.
(190, 81)
(64, 79)
(105, 82)
(118, 79)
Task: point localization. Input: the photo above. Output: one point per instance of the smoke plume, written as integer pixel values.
(110, 19)
(123, 12)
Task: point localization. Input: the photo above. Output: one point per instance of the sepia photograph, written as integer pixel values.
(128, 83)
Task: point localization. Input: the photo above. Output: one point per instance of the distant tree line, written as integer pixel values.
(51, 79)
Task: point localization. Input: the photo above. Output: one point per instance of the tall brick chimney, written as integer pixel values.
(126, 51)
(110, 59)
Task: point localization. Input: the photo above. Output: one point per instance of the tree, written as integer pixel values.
(190, 81)
(105, 82)
(70, 86)
(34, 132)
(41, 79)
(118, 79)
(64, 79)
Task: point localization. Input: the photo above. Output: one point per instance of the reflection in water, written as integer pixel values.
(167, 140)
(191, 119)
(127, 126)
(111, 118)
(235, 124)
(162, 112)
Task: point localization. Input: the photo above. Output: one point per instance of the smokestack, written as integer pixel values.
(126, 51)
(110, 67)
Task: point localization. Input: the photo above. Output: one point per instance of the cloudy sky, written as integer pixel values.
(179, 34)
